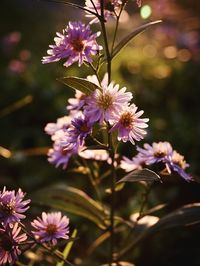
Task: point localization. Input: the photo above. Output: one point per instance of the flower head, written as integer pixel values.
(50, 227)
(178, 164)
(10, 240)
(12, 205)
(158, 152)
(110, 7)
(77, 43)
(130, 127)
(136, 163)
(106, 103)
(60, 155)
(80, 129)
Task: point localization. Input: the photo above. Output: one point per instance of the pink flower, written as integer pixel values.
(130, 127)
(157, 152)
(59, 155)
(105, 104)
(10, 240)
(50, 227)
(77, 43)
(12, 206)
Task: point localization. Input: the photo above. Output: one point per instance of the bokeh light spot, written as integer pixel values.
(145, 11)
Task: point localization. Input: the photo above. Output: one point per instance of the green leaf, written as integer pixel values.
(67, 249)
(130, 36)
(80, 84)
(72, 200)
(186, 215)
(140, 175)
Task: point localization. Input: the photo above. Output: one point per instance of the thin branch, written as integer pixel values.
(75, 6)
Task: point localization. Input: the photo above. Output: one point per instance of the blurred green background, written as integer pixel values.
(162, 69)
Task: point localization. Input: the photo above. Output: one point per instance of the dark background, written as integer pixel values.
(162, 69)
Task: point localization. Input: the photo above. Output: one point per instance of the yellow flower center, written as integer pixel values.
(127, 119)
(8, 208)
(51, 229)
(105, 101)
(159, 154)
(84, 128)
(77, 45)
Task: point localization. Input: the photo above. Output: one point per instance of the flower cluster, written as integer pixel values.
(12, 208)
(161, 152)
(49, 228)
(108, 105)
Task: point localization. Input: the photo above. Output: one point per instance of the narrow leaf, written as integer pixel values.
(130, 36)
(72, 200)
(80, 84)
(140, 175)
(186, 215)
(67, 249)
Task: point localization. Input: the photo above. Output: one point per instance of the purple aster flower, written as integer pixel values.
(136, 163)
(12, 205)
(110, 8)
(50, 227)
(10, 240)
(106, 103)
(60, 155)
(130, 127)
(178, 164)
(61, 123)
(77, 43)
(158, 152)
(80, 129)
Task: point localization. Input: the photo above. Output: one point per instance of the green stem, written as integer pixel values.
(93, 181)
(140, 215)
(116, 28)
(98, 142)
(75, 6)
(113, 182)
(144, 201)
(108, 56)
